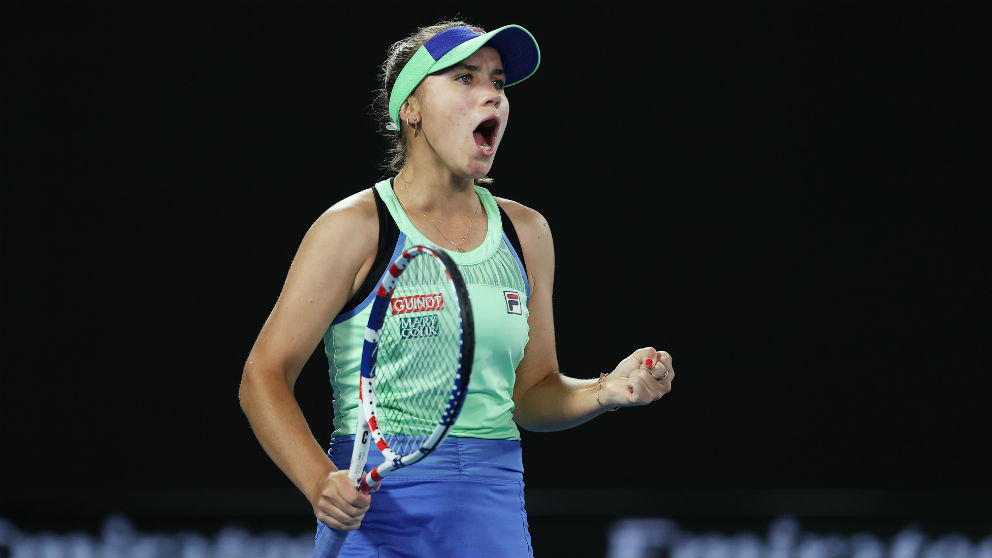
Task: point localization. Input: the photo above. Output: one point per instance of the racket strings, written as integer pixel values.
(419, 353)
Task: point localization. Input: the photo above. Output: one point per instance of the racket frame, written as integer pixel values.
(367, 430)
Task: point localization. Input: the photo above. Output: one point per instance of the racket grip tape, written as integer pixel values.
(329, 543)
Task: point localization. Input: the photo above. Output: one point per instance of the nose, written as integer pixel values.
(493, 98)
(493, 102)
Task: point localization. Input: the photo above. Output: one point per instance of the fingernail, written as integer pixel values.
(648, 363)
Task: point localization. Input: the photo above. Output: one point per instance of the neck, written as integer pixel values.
(435, 189)
(444, 211)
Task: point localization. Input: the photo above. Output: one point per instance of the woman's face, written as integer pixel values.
(464, 112)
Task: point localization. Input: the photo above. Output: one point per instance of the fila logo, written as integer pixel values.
(513, 305)
(417, 303)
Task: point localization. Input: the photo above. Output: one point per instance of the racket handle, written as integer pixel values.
(329, 543)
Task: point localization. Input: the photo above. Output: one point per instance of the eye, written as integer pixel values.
(498, 83)
(464, 78)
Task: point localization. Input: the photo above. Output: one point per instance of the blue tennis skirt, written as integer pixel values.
(464, 499)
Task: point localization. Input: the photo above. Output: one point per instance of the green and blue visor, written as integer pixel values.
(516, 46)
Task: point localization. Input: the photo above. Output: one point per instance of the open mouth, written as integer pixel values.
(485, 134)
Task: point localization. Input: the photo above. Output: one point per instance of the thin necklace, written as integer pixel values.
(456, 245)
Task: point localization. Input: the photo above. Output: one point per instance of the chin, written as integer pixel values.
(479, 170)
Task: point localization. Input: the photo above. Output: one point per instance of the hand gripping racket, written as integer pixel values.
(416, 363)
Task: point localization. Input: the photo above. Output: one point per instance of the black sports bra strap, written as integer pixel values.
(511, 235)
(389, 235)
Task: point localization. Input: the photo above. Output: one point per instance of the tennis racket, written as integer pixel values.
(416, 363)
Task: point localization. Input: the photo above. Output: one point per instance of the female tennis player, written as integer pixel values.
(446, 109)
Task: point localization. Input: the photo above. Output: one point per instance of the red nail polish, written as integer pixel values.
(648, 363)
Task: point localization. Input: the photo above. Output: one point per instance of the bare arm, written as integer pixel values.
(332, 259)
(546, 399)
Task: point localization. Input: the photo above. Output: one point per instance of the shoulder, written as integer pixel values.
(528, 222)
(350, 225)
(534, 234)
(357, 212)
(357, 206)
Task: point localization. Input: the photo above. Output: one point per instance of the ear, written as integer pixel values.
(410, 111)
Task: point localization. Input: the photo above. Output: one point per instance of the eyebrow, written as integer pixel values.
(471, 68)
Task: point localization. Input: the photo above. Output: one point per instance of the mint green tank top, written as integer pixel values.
(494, 275)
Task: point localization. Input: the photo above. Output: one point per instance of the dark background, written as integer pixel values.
(789, 200)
